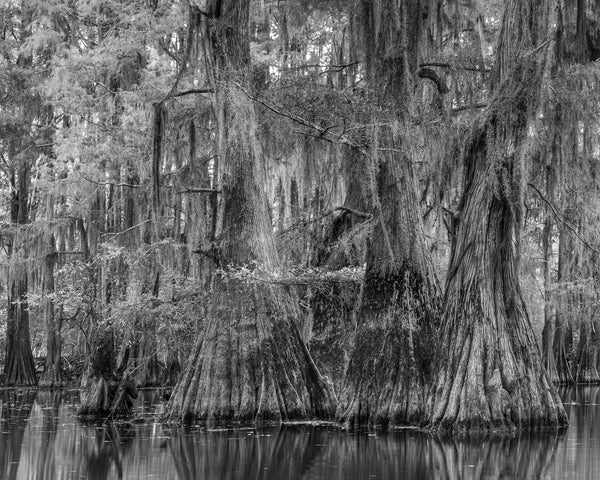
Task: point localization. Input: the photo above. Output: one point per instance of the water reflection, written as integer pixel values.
(41, 438)
(15, 408)
(528, 456)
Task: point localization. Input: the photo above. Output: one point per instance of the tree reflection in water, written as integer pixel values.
(15, 407)
(527, 456)
(44, 440)
(316, 453)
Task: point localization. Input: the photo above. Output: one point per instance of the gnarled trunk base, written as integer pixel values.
(492, 378)
(250, 364)
(387, 380)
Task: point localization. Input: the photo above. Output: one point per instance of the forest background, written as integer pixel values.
(337, 163)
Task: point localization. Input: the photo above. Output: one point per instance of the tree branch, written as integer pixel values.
(469, 107)
(429, 74)
(367, 216)
(200, 190)
(562, 220)
(193, 91)
(325, 132)
(105, 184)
(456, 67)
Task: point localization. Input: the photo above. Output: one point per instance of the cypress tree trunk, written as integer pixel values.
(250, 363)
(586, 358)
(490, 373)
(52, 376)
(563, 336)
(586, 363)
(549, 331)
(19, 367)
(388, 374)
(143, 366)
(333, 304)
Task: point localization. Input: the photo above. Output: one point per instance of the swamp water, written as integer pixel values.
(42, 439)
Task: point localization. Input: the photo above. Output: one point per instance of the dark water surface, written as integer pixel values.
(41, 438)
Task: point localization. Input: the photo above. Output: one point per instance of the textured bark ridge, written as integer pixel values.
(333, 304)
(586, 366)
(53, 376)
(490, 373)
(563, 345)
(388, 376)
(19, 367)
(250, 364)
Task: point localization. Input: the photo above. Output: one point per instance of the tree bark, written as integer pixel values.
(52, 376)
(548, 333)
(19, 367)
(333, 304)
(563, 337)
(250, 363)
(490, 374)
(398, 311)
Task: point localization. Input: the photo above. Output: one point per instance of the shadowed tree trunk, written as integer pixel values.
(563, 333)
(585, 365)
(52, 376)
(548, 333)
(105, 388)
(19, 367)
(250, 362)
(586, 360)
(490, 374)
(387, 378)
(333, 303)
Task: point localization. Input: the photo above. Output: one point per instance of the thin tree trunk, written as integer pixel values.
(563, 339)
(52, 376)
(548, 333)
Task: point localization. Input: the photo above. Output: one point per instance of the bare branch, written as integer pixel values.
(303, 223)
(455, 67)
(325, 132)
(113, 184)
(429, 74)
(469, 107)
(561, 219)
(200, 190)
(193, 91)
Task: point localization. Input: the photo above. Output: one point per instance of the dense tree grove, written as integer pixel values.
(379, 212)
